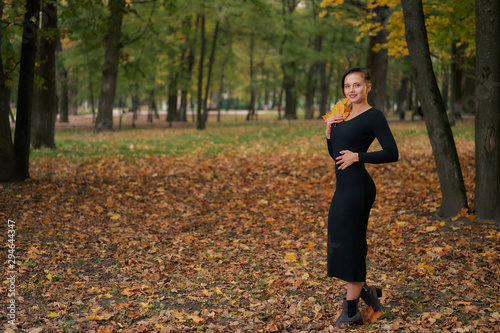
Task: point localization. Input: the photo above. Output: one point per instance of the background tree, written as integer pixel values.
(372, 18)
(436, 120)
(487, 97)
(110, 69)
(451, 43)
(15, 166)
(7, 157)
(289, 58)
(45, 111)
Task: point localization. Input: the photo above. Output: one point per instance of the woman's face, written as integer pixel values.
(355, 88)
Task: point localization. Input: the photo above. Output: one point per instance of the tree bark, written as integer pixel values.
(172, 114)
(456, 82)
(72, 93)
(64, 92)
(310, 87)
(7, 158)
(62, 76)
(377, 61)
(289, 65)
(402, 97)
(25, 91)
(487, 193)
(209, 75)
(104, 120)
(45, 111)
(438, 127)
(200, 121)
(187, 67)
(251, 108)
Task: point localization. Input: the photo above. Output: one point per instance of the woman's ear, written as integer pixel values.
(368, 88)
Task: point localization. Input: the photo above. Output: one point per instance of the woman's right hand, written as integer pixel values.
(330, 122)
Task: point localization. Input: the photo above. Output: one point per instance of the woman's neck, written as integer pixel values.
(360, 107)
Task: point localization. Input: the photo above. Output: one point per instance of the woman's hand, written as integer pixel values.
(330, 122)
(346, 158)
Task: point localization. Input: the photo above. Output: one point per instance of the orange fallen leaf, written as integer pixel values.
(129, 291)
(197, 320)
(371, 316)
(95, 316)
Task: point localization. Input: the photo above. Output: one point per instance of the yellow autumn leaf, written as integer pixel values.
(129, 291)
(244, 247)
(95, 316)
(309, 244)
(115, 216)
(342, 107)
(52, 315)
(146, 305)
(291, 257)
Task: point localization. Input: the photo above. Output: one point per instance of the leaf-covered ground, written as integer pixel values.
(236, 242)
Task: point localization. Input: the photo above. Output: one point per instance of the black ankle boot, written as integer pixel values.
(370, 295)
(344, 318)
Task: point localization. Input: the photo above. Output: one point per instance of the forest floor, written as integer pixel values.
(225, 231)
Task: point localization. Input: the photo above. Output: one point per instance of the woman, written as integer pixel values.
(348, 141)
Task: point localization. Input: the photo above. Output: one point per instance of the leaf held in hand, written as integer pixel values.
(342, 107)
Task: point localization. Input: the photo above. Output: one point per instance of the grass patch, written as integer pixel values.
(257, 136)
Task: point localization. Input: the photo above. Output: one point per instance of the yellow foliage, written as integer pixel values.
(342, 107)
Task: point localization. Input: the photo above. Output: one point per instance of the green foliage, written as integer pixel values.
(158, 37)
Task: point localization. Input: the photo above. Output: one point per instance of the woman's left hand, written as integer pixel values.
(346, 159)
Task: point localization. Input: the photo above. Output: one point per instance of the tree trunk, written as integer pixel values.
(45, 111)
(72, 93)
(324, 83)
(152, 109)
(104, 120)
(309, 107)
(289, 87)
(209, 75)
(444, 90)
(172, 114)
(377, 61)
(402, 97)
(64, 92)
(62, 75)
(221, 85)
(487, 195)
(251, 108)
(200, 121)
(438, 128)
(289, 66)
(187, 67)
(456, 82)
(7, 158)
(25, 91)
(468, 100)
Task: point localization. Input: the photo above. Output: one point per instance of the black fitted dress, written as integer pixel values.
(355, 192)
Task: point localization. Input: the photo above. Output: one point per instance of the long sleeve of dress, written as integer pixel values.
(389, 152)
(330, 148)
